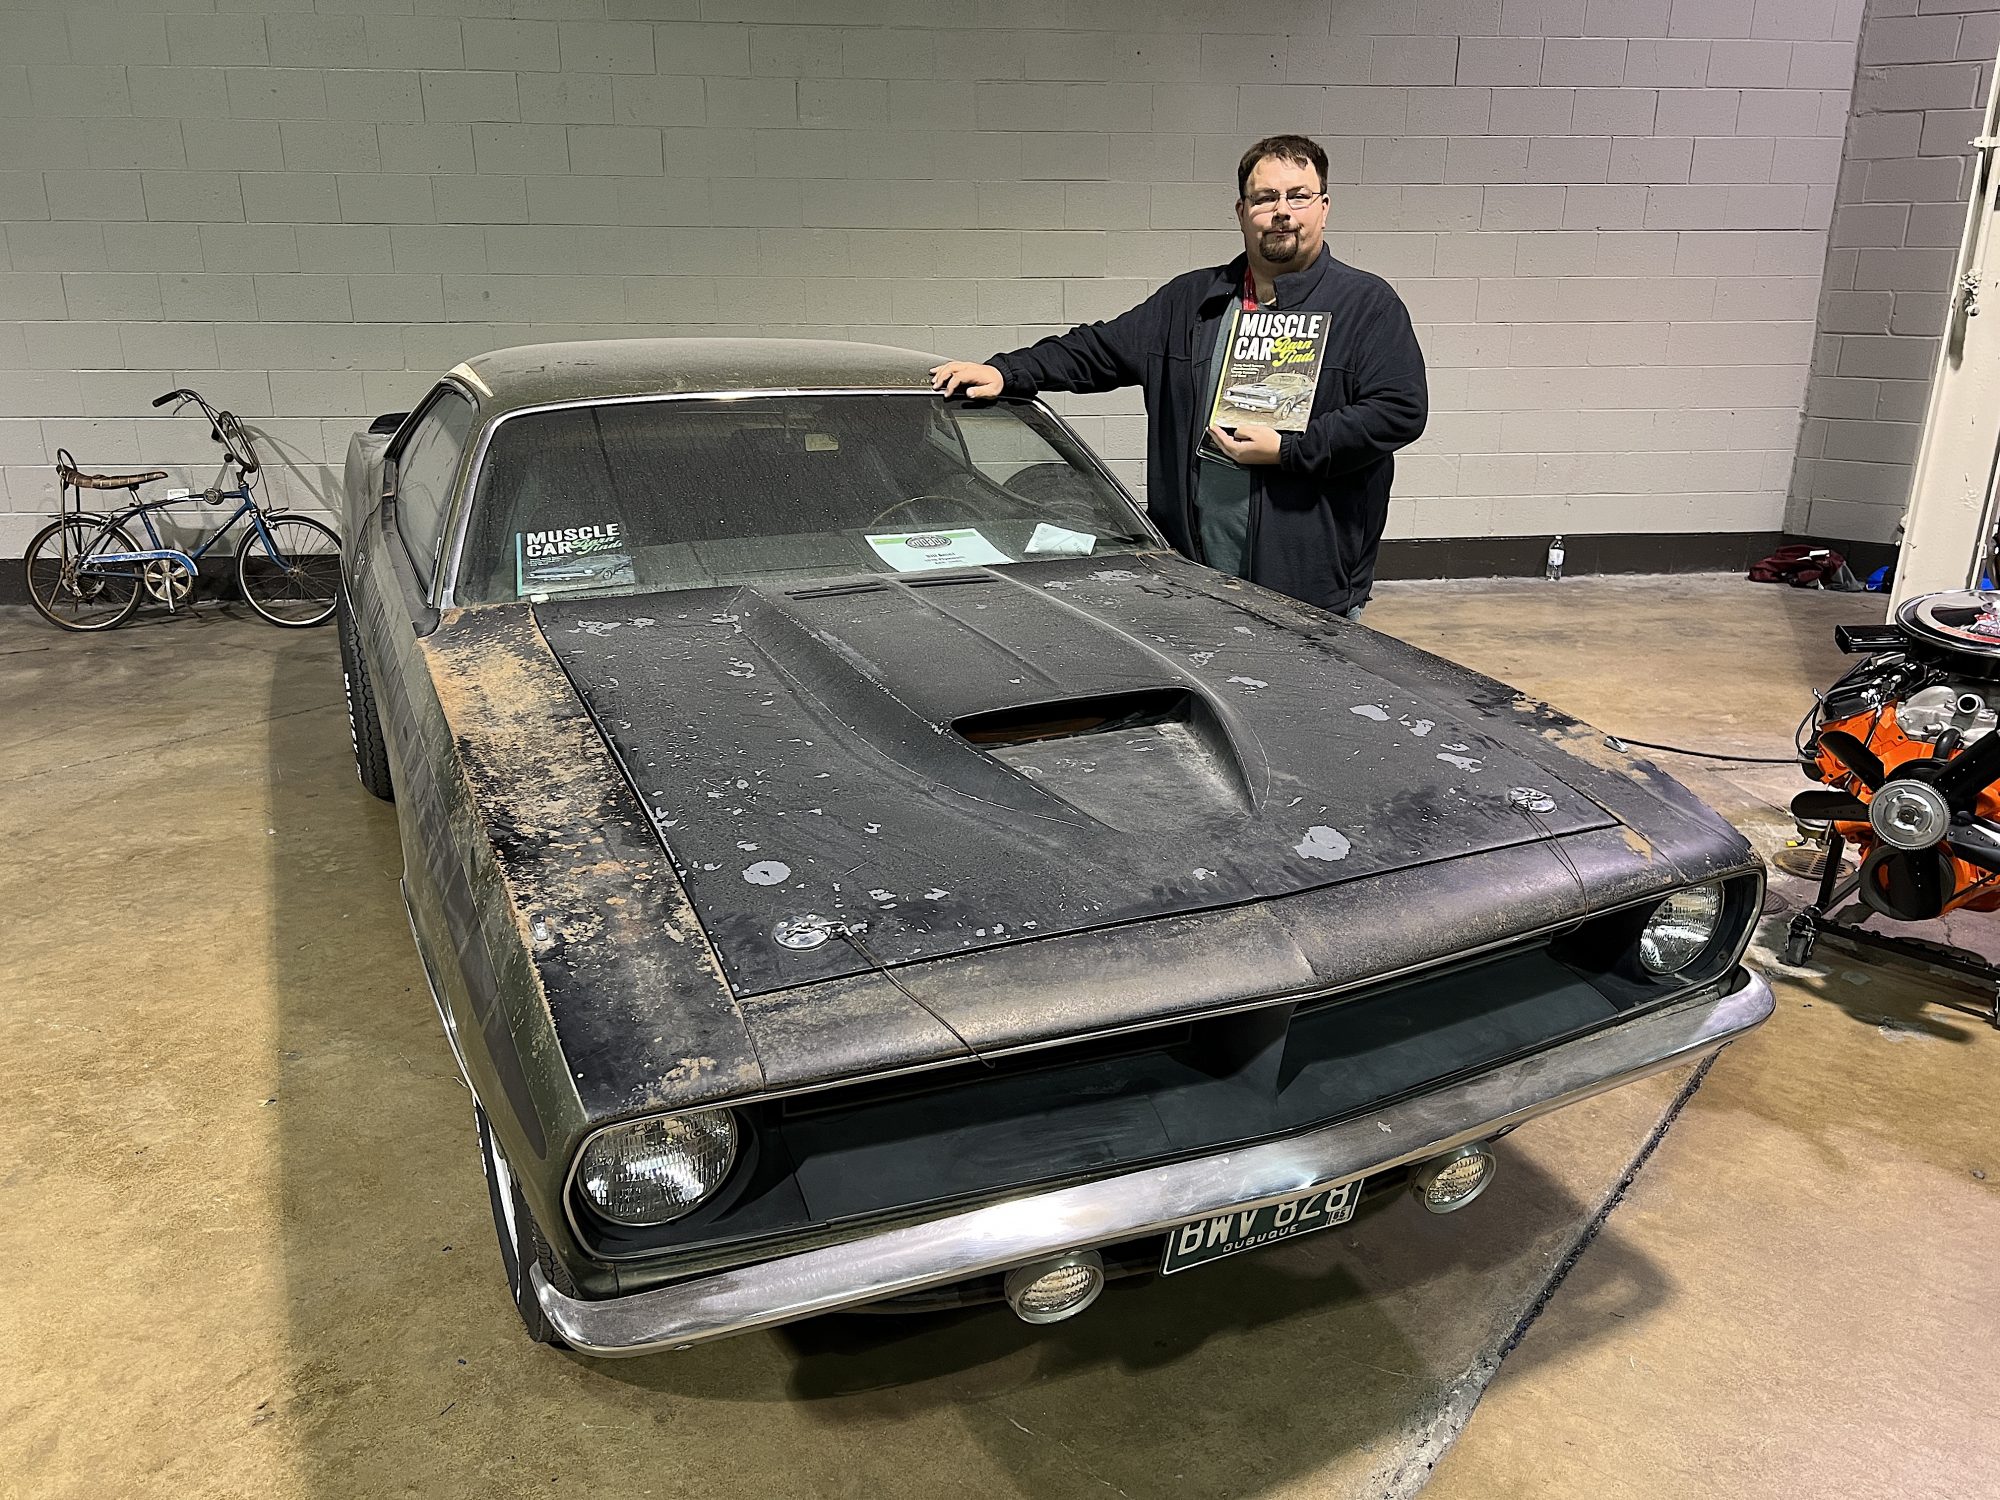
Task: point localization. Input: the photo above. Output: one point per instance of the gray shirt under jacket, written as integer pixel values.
(1222, 485)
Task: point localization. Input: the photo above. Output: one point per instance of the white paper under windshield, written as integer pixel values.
(1058, 541)
(919, 551)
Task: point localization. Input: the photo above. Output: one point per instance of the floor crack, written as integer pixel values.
(160, 744)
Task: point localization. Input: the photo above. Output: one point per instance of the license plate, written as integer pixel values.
(1204, 1240)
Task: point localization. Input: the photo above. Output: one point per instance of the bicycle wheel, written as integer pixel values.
(68, 590)
(295, 580)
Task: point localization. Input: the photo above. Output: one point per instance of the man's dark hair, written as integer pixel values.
(1296, 149)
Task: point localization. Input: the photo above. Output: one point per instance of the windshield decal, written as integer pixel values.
(919, 551)
(1058, 541)
(570, 558)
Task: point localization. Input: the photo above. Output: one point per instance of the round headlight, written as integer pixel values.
(653, 1171)
(1680, 928)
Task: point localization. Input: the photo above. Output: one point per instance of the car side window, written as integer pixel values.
(424, 472)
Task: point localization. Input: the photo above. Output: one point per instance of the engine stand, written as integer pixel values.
(1814, 922)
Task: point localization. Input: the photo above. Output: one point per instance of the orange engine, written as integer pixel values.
(1974, 889)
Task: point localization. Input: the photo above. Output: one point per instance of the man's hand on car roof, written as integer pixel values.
(961, 377)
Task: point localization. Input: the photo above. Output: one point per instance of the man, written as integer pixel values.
(1298, 511)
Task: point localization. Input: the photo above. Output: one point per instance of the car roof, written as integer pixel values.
(587, 369)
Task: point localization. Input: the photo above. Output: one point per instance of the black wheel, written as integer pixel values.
(1800, 939)
(520, 1240)
(371, 751)
(64, 586)
(296, 578)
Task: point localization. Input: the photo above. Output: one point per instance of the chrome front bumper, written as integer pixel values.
(1156, 1199)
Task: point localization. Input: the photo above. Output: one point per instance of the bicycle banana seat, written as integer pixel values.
(85, 481)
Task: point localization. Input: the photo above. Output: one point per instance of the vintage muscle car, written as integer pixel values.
(1254, 397)
(856, 862)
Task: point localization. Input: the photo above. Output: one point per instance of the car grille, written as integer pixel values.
(845, 1159)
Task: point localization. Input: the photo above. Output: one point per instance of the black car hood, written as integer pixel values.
(870, 753)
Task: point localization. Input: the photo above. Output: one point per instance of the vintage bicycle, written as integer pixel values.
(86, 571)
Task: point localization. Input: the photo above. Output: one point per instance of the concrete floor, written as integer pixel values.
(241, 1207)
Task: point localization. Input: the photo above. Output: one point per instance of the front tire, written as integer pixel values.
(66, 591)
(294, 581)
(520, 1240)
(364, 721)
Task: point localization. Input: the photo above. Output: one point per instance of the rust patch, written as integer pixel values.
(574, 850)
(1638, 843)
(688, 1069)
(1580, 740)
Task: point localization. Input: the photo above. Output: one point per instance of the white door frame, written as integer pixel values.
(1949, 518)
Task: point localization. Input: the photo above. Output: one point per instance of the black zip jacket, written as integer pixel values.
(1316, 516)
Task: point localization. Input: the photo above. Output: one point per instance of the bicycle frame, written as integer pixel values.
(159, 552)
(225, 429)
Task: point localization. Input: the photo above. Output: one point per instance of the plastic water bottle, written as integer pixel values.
(1553, 568)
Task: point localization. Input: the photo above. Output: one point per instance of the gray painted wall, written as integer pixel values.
(1608, 216)
(1897, 218)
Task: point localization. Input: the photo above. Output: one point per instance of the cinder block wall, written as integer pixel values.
(1608, 216)
(1898, 214)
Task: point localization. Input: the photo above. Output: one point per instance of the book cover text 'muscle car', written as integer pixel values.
(1270, 369)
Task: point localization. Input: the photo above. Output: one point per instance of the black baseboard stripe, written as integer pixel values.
(1625, 552)
(1486, 556)
(218, 581)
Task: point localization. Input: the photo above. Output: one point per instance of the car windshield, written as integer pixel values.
(632, 496)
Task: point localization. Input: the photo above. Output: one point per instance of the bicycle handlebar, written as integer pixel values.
(237, 441)
(223, 426)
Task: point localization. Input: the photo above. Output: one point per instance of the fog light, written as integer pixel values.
(1051, 1290)
(1451, 1181)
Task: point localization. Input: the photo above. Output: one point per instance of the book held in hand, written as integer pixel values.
(1271, 369)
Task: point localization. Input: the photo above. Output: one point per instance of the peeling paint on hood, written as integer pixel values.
(839, 761)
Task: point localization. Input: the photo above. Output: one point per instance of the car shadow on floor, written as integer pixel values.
(1331, 1356)
(407, 1371)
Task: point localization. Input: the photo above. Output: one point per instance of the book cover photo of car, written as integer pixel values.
(1272, 370)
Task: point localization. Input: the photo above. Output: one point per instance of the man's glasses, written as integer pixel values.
(1297, 198)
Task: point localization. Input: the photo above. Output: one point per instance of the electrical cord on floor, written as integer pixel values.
(1617, 742)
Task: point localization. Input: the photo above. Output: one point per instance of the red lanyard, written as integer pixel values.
(1249, 291)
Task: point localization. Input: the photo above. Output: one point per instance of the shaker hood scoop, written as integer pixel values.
(973, 758)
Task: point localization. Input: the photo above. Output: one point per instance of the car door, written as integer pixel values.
(399, 575)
